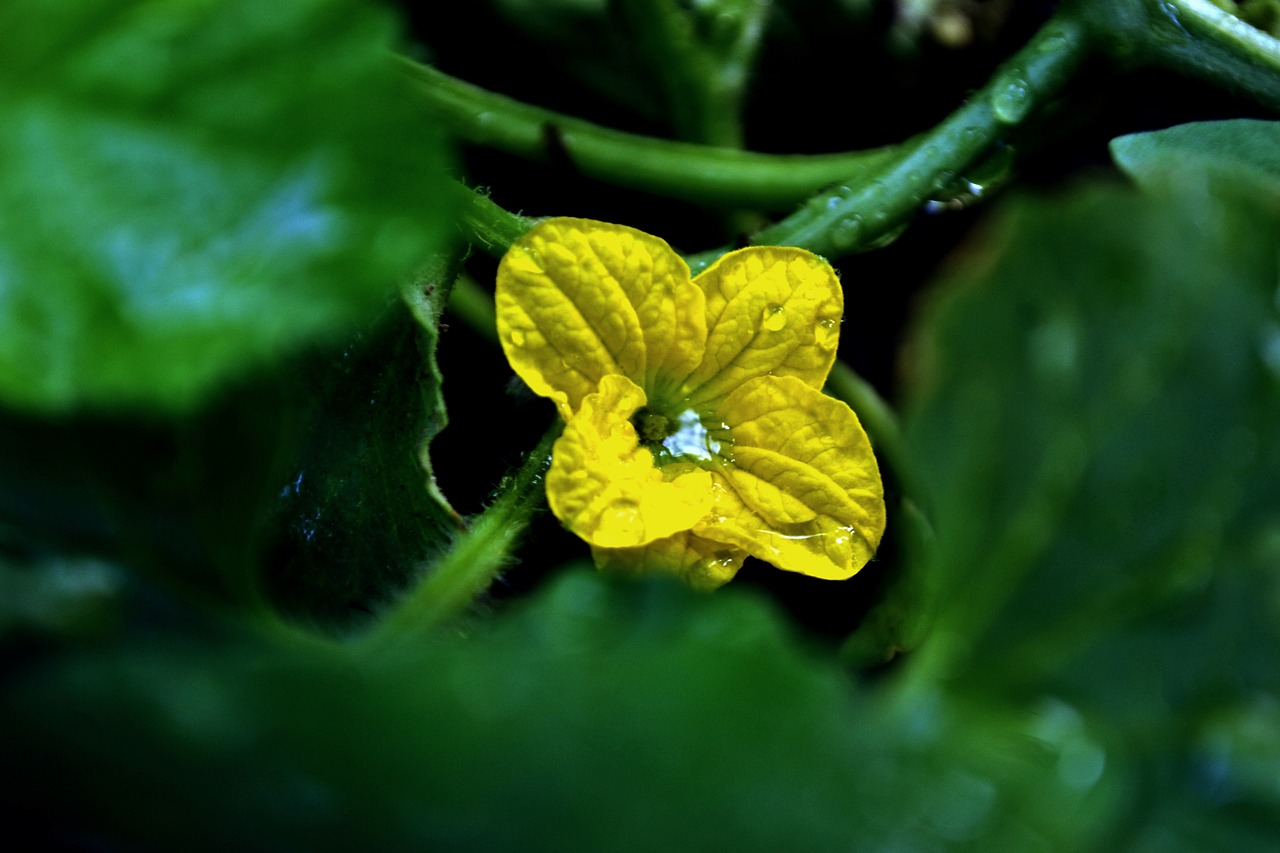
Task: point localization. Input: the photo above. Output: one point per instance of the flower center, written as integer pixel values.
(682, 438)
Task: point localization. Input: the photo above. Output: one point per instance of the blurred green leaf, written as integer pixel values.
(1096, 399)
(179, 499)
(1096, 391)
(58, 599)
(1242, 151)
(605, 716)
(699, 55)
(191, 189)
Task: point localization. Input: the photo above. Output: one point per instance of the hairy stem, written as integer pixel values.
(487, 225)
(469, 567)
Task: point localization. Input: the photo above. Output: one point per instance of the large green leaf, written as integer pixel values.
(180, 499)
(191, 188)
(1096, 396)
(1095, 403)
(633, 716)
(1242, 151)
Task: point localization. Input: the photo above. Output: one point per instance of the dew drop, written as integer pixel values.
(1053, 43)
(1171, 12)
(827, 333)
(691, 439)
(773, 318)
(846, 231)
(624, 518)
(1012, 100)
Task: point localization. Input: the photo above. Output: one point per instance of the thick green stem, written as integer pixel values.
(475, 559)
(1192, 37)
(897, 622)
(697, 173)
(470, 303)
(872, 206)
(876, 415)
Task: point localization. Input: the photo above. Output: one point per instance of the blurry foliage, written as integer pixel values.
(189, 189)
(1091, 397)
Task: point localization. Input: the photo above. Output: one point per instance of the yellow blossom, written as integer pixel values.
(696, 432)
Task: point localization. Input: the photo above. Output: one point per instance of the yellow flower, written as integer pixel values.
(696, 431)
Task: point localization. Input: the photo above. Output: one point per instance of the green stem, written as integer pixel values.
(475, 559)
(697, 173)
(872, 206)
(471, 304)
(1207, 21)
(877, 418)
(897, 622)
(1192, 37)
(486, 224)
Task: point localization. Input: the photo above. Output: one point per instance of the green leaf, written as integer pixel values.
(1095, 407)
(1245, 152)
(361, 515)
(1095, 398)
(179, 499)
(192, 189)
(58, 599)
(606, 716)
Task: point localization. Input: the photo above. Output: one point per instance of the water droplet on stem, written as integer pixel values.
(1012, 100)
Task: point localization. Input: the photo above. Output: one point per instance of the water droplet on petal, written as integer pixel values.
(826, 334)
(624, 518)
(773, 318)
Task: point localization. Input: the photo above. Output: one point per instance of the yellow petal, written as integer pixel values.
(604, 487)
(701, 563)
(803, 490)
(579, 300)
(770, 310)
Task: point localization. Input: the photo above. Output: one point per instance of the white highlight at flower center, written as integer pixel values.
(691, 438)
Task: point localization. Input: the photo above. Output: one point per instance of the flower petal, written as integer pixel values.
(770, 310)
(578, 300)
(702, 563)
(604, 487)
(804, 490)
